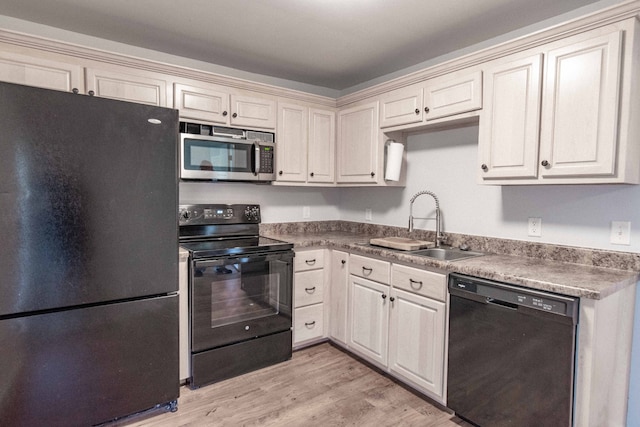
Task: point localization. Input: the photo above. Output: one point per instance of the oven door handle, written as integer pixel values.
(263, 257)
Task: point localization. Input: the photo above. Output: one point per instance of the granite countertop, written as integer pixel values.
(554, 276)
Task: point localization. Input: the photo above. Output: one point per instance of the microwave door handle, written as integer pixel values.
(256, 153)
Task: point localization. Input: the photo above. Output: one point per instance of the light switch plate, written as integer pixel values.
(306, 212)
(367, 214)
(620, 232)
(535, 227)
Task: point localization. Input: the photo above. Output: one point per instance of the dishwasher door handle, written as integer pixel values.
(504, 304)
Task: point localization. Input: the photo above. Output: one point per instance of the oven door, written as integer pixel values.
(235, 299)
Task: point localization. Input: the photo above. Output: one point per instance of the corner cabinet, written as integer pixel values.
(566, 123)
(339, 297)
(358, 144)
(306, 144)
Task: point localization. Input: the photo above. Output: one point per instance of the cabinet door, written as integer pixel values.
(417, 341)
(580, 108)
(291, 160)
(401, 107)
(253, 112)
(369, 316)
(445, 96)
(127, 87)
(358, 143)
(509, 123)
(322, 143)
(201, 103)
(44, 73)
(338, 294)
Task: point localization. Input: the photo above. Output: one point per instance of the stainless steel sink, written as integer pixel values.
(445, 254)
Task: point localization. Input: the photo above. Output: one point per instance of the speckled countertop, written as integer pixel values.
(567, 278)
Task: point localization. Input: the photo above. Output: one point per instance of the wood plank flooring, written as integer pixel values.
(319, 386)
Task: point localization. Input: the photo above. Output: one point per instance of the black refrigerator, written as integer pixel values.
(88, 258)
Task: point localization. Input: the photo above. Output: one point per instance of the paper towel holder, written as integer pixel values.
(393, 164)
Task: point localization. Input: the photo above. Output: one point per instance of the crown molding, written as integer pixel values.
(98, 55)
(578, 25)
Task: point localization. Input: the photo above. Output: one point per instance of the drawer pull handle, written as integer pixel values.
(308, 324)
(415, 282)
(310, 261)
(367, 269)
(310, 290)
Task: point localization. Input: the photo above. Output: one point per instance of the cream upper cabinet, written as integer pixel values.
(199, 103)
(217, 105)
(292, 143)
(253, 112)
(580, 108)
(305, 144)
(439, 97)
(562, 114)
(509, 124)
(40, 72)
(322, 146)
(122, 86)
(358, 144)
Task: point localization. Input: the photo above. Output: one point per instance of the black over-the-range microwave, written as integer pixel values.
(209, 152)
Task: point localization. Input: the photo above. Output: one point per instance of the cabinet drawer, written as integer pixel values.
(309, 287)
(369, 268)
(309, 323)
(421, 282)
(309, 260)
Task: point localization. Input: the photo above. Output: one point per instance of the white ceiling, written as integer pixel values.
(328, 43)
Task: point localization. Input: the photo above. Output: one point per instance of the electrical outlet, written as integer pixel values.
(620, 232)
(367, 214)
(535, 227)
(306, 212)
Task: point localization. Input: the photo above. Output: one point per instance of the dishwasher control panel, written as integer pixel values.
(512, 296)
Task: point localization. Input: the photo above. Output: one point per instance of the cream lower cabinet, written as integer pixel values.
(417, 329)
(560, 114)
(308, 297)
(338, 297)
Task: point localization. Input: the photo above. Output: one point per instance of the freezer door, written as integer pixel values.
(88, 189)
(86, 366)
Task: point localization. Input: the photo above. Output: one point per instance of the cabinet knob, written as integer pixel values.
(484, 167)
(384, 296)
(311, 174)
(224, 114)
(280, 173)
(426, 109)
(343, 262)
(91, 93)
(417, 111)
(373, 174)
(545, 163)
(234, 115)
(75, 90)
(392, 299)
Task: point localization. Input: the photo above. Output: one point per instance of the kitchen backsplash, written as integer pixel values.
(585, 256)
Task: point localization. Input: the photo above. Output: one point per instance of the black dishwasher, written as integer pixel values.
(511, 354)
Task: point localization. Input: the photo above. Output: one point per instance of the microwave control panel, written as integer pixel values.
(266, 159)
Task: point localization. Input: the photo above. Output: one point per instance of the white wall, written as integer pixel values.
(279, 204)
(446, 163)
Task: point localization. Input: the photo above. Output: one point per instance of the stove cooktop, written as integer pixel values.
(234, 246)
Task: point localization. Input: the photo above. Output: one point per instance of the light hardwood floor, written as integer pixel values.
(319, 386)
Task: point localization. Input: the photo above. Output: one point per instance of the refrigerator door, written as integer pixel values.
(88, 189)
(86, 366)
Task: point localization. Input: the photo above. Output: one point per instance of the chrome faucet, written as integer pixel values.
(439, 236)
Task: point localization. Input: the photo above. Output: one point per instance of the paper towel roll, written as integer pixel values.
(394, 161)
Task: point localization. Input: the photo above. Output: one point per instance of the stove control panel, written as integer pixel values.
(218, 214)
